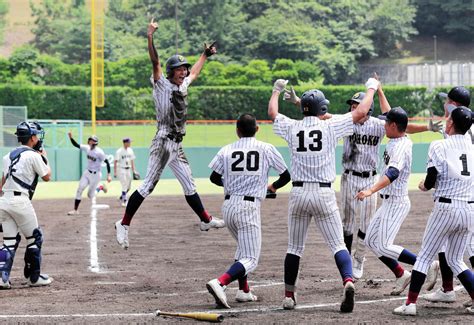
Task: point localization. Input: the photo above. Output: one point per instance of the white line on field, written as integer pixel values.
(112, 283)
(94, 260)
(220, 311)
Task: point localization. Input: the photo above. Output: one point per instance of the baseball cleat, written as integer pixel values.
(468, 303)
(405, 310)
(124, 204)
(217, 291)
(432, 275)
(242, 296)
(289, 303)
(347, 304)
(43, 280)
(5, 285)
(72, 213)
(122, 234)
(470, 310)
(358, 266)
(214, 223)
(441, 296)
(401, 283)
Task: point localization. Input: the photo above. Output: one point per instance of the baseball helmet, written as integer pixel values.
(25, 130)
(176, 61)
(357, 98)
(94, 139)
(313, 103)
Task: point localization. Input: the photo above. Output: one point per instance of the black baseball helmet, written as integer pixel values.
(26, 130)
(174, 62)
(313, 103)
(94, 139)
(357, 98)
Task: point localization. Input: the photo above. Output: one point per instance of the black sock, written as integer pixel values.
(134, 203)
(292, 265)
(195, 203)
(348, 241)
(76, 204)
(417, 280)
(361, 234)
(471, 259)
(407, 257)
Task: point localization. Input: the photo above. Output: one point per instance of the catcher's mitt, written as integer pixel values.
(136, 175)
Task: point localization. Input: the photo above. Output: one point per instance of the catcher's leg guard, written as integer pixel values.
(7, 254)
(33, 256)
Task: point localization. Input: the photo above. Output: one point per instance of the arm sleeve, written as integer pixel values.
(107, 164)
(75, 144)
(284, 179)
(430, 179)
(216, 178)
(392, 173)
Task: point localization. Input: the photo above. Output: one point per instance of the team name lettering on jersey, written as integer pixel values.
(91, 158)
(370, 140)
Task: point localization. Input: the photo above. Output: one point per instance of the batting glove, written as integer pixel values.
(290, 96)
(210, 50)
(280, 85)
(372, 83)
(435, 126)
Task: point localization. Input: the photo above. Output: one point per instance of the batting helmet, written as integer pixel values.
(313, 103)
(174, 62)
(25, 130)
(94, 139)
(357, 98)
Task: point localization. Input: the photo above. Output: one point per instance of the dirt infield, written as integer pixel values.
(170, 260)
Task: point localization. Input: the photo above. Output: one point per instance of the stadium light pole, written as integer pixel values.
(176, 22)
(435, 48)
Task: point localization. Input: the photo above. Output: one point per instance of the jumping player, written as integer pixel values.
(125, 163)
(450, 167)
(393, 187)
(92, 174)
(242, 168)
(21, 169)
(170, 97)
(312, 143)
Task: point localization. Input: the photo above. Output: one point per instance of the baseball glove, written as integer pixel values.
(270, 195)
(136, 175)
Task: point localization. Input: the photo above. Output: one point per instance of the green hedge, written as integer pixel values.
(52, 102)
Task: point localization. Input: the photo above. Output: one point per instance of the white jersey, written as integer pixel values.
(453, 158)
(244, 166)
(28, 166)
(124, 157)
(361, 149)
(312, 143)
(398, 154)
(95, 157)
(165, 114)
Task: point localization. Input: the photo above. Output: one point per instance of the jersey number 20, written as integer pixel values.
(316, 135)
(251, 162)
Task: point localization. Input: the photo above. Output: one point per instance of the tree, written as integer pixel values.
(3, 13)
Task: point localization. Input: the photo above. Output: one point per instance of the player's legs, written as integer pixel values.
(83, 183)
(125, 179)
(11, 239)
(348, 209)
(367, 209)
(94, 181)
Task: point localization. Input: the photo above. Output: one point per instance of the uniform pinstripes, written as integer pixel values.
(384, 226)
(95, 158)
(447, 225)
(306, 203)
(242, 218)
(312, 144)
(398, 154)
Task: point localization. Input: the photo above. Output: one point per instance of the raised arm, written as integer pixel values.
(278, 87)
(197, 67)
(74, 143)
(155, 60)
(364, 106)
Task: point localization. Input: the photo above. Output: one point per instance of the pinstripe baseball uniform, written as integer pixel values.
(359, 162)
(244, 166)
(395, 206)
(166, 146)
(92, 174)
(312, 144)
(124, 157)
(452, 217)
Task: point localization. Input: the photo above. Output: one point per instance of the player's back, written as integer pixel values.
(246, 165)
(453, 158)
(312, 143)
(398, 154)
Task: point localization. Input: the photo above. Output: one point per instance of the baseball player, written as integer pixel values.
(92, 174)
(393, 187)
(124, 161)
(21, 169)
(242, 168)
(170, 97)
(450, 168)
(312, 143)
(457, 96)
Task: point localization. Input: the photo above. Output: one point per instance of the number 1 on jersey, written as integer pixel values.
(465, 171)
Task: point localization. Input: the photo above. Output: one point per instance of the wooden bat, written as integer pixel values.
(208, 317)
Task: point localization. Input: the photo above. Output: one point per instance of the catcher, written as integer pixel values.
(125, 161)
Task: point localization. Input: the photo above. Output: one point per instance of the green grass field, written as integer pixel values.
(198, 135)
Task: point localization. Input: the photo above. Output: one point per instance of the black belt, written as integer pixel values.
(126, 167)
(384, 196)
(300, 184)
(16, 193)
(246, 198)
(90, 171)
(446, 200)
(176, 137)
(366, 174)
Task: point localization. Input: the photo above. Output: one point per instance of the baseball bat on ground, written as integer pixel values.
(208, 317)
